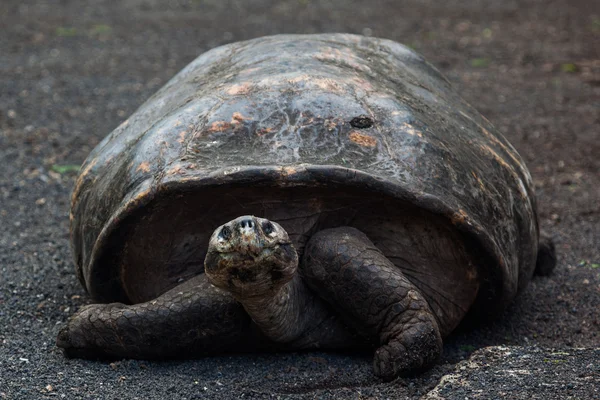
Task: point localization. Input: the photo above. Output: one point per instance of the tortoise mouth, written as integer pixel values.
(248, 275)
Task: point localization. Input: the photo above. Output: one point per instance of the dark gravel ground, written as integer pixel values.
(523, 373)
(70, 71)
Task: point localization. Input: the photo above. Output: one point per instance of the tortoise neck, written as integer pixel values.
(282, 316)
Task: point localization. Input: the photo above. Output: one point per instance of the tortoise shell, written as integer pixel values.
(306, 125)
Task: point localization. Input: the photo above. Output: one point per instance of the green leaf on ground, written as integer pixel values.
(479, 62)
(64, 169)
(568, 67)
(66, 31)
(595, 23)
(101, 29)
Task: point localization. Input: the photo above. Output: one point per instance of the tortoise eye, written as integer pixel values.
(225, 233)
(268, 228)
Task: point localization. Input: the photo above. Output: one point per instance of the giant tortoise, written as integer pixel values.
(369, 206)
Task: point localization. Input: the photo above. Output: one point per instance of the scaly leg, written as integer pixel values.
(349, 272)
(191, 320)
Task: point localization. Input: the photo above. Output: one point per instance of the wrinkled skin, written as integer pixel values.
(345, 294)
(254, 260)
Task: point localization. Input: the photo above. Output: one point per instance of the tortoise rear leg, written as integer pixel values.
(349, 272)
(191, 320)
(546, 257)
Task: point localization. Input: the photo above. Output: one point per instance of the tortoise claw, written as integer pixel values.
(408, 355)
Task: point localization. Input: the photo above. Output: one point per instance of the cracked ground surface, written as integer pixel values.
(71, 71)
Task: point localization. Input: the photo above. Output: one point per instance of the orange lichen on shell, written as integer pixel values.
(81, 179)
(487, 149)
(145, 167)
(479, 181)
(288, 170)
(459, 217)
(327, 84)
(176, 170)
(363, 140)
(238, 89)
(141, 195)
(411, 130)
(219, 126)
(237, 117)
(344, 56)
(264, 131)
(300, 78)
(507, 148)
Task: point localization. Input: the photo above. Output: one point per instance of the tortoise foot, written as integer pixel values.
(80, 339)
(415, 350)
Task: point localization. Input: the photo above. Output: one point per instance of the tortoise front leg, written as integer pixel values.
(191, 320)
(349, 272)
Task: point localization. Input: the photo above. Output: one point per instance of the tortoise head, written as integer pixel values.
(250, 256)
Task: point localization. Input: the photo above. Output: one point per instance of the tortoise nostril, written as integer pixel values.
(247, 224)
